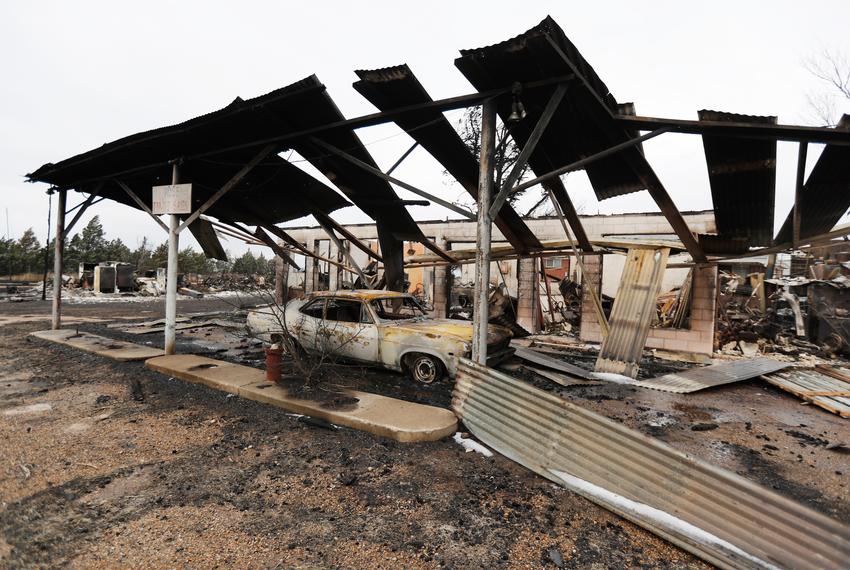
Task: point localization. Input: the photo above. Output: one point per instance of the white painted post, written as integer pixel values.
(58, 250)
(484, 232)
(171, 275)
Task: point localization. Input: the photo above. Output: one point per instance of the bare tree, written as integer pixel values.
(832, 68)
(506, 153)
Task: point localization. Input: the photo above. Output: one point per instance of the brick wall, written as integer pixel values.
(698, 338)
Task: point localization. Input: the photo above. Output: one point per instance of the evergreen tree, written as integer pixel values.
(29, 253)
(141, 257)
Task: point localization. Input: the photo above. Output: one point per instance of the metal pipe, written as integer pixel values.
(409, 187)
(484, 232)
(59, 248)
(592, 158)
(798, 191)
(401, 158)
(171, 275)
(47, 246)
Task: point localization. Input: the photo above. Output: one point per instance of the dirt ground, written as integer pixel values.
(106, 464)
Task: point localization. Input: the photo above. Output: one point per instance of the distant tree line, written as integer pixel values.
(90, 245)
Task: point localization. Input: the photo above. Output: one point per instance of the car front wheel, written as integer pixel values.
(425, 368)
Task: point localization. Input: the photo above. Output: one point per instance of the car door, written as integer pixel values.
(308, 325)
(350, 331)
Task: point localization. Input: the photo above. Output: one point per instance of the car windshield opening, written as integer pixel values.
(397, 308)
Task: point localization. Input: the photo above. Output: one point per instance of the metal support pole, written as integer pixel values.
(171, 275)
(798, 191)
(47, 246)
(57, 259)
(484, 231)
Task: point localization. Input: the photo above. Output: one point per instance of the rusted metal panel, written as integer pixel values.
(541, 52)
(715, 375)
(633, 311)
(742, 174)
(719, 516)
(828, 392)
(826, 194)
(394, 87)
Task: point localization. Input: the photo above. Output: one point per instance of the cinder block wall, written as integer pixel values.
(698, 338)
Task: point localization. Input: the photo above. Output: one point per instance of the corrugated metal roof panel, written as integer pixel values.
(715, 514)
(742, 174)
(394, 87)
(541, 53)
(268, 188)
(370, 193)
(827, 392)
(826, 194)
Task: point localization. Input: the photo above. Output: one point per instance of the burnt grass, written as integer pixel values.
(300, 486)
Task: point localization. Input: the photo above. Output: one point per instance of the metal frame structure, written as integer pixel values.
(564, 94)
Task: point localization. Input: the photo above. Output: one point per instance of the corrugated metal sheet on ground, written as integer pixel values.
(826, 194)
(742, 174)
(719, 516)
(715, 375)
(821, 390)
(633, 311)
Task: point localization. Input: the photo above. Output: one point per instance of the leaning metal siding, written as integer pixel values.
(547, 434)
(633, 311)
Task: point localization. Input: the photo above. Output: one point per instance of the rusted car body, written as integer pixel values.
(383, 328)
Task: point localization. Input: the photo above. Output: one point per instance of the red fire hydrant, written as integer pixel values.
(274, 359)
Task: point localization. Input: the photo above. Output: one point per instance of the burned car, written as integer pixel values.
(383, 328)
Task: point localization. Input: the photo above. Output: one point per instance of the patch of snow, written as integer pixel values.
(662, 421)
(471, 445)
(655, 516)
(611, 377)
(97, 298)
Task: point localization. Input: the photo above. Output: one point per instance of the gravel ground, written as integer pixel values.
(108, 464)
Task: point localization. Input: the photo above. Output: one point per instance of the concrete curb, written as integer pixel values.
(388, 417)
(99, 345)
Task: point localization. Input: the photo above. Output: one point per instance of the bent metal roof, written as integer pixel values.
(141, 161)
(589, 120)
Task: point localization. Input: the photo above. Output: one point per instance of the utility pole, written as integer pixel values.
(484, 232)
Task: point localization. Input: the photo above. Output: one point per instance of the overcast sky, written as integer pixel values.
(79, 74)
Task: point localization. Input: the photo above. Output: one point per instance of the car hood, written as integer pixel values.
(461, 330)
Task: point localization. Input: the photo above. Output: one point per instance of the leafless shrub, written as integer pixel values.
(832, 68)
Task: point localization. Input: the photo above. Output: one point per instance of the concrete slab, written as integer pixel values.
(388, 417)
(216, 374)
(100, 345)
